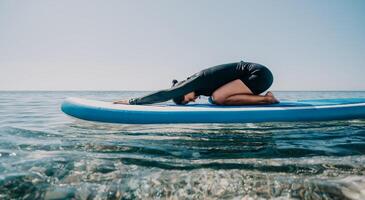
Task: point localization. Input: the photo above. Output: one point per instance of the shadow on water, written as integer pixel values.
(195, 142)
(230, 141)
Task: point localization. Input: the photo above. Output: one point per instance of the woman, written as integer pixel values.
(228, 84)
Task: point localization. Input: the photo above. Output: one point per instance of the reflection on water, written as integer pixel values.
(47, 155)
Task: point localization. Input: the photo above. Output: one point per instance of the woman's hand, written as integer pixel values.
(126, 102)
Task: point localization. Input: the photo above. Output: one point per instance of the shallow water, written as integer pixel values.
(45, 154)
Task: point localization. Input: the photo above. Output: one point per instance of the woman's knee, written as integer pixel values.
(218, 99)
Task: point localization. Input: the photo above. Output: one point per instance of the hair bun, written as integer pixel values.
(174, 82)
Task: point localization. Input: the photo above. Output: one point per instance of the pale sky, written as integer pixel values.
(144, 44)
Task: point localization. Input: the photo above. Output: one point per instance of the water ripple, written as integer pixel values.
(47, 155)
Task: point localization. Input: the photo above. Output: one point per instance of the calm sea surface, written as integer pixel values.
(45, 154)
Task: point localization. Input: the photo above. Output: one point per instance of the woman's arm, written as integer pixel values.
(189, 85)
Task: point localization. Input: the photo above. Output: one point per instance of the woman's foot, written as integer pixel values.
(271, 98)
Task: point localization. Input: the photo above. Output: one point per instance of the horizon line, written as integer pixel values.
(157, 90)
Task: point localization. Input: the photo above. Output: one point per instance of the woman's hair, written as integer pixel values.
(180, 99)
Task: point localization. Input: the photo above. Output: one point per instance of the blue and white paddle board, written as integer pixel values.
(302, 110)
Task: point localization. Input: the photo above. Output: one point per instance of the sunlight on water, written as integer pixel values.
(45, 154)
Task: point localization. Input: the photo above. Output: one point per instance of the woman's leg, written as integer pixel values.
(237, 93)
(247, 99)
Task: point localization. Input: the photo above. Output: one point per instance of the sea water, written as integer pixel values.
(45, 154)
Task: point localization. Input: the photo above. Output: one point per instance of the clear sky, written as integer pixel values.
(143, 45)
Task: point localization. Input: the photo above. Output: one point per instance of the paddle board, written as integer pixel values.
(286, 111)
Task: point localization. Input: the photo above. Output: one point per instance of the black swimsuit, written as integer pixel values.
(256, 77)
